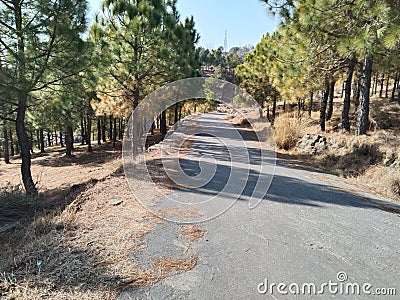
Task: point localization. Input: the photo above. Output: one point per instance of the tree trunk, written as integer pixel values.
(396, 79)
(382, 83)
(347, 97)
(176, 110)
(322, 112)
(363, 115)
(136, 98)
(5, 144)
(110, 134)
(23, 140)
(120, 129)
(387, 87)
(38, 139)
(61, 139)
(114, 140)
(357, 94)
(99, 128)
(331, 95)
(83, 134)
(41, 137)
(169, 114)
(274, 108)
(163, 123)
(103, 128)
(375, 84)
(310, 105)
(56, 138)
(49, 141)
(88, 134)
(261, 110)
(11, 143)
(69, 140)
(298, 108)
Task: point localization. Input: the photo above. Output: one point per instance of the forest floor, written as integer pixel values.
(71, 242)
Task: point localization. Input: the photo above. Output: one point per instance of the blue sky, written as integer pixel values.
(246, 21)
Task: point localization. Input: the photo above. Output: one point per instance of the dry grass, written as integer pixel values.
(192, 233)
(85, 250)
(363, 160)
(82, 255)
(371, 161)
(288, 129)
(170, 265)
(385, 114)
(381, 180)
(356, 156)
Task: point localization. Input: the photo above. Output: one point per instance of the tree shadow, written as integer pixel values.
(42, 261)
(16, 208)
(283, 189)
(100, 155)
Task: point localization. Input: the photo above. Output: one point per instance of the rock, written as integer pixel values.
(115, 202)
(155, 147)
(313, 144)
(390, 159)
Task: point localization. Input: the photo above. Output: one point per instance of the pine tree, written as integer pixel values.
(149, 35)
(36, 37)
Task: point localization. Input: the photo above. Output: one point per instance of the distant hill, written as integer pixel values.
(241, 51)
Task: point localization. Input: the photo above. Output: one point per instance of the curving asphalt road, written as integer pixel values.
(310, 230)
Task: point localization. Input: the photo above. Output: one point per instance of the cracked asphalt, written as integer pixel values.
(309, 228)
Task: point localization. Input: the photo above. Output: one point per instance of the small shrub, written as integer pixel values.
(367, 151)
(288, 130)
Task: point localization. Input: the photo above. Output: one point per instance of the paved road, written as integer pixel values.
(309, 228)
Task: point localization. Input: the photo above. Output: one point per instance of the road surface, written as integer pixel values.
(310, 230)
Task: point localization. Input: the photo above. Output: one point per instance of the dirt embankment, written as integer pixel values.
(371, 161)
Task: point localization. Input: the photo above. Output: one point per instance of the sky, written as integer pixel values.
(245, 21)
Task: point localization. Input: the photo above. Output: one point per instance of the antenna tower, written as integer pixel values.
(226, 43)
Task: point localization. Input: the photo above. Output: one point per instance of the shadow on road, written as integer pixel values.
(284, 189)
